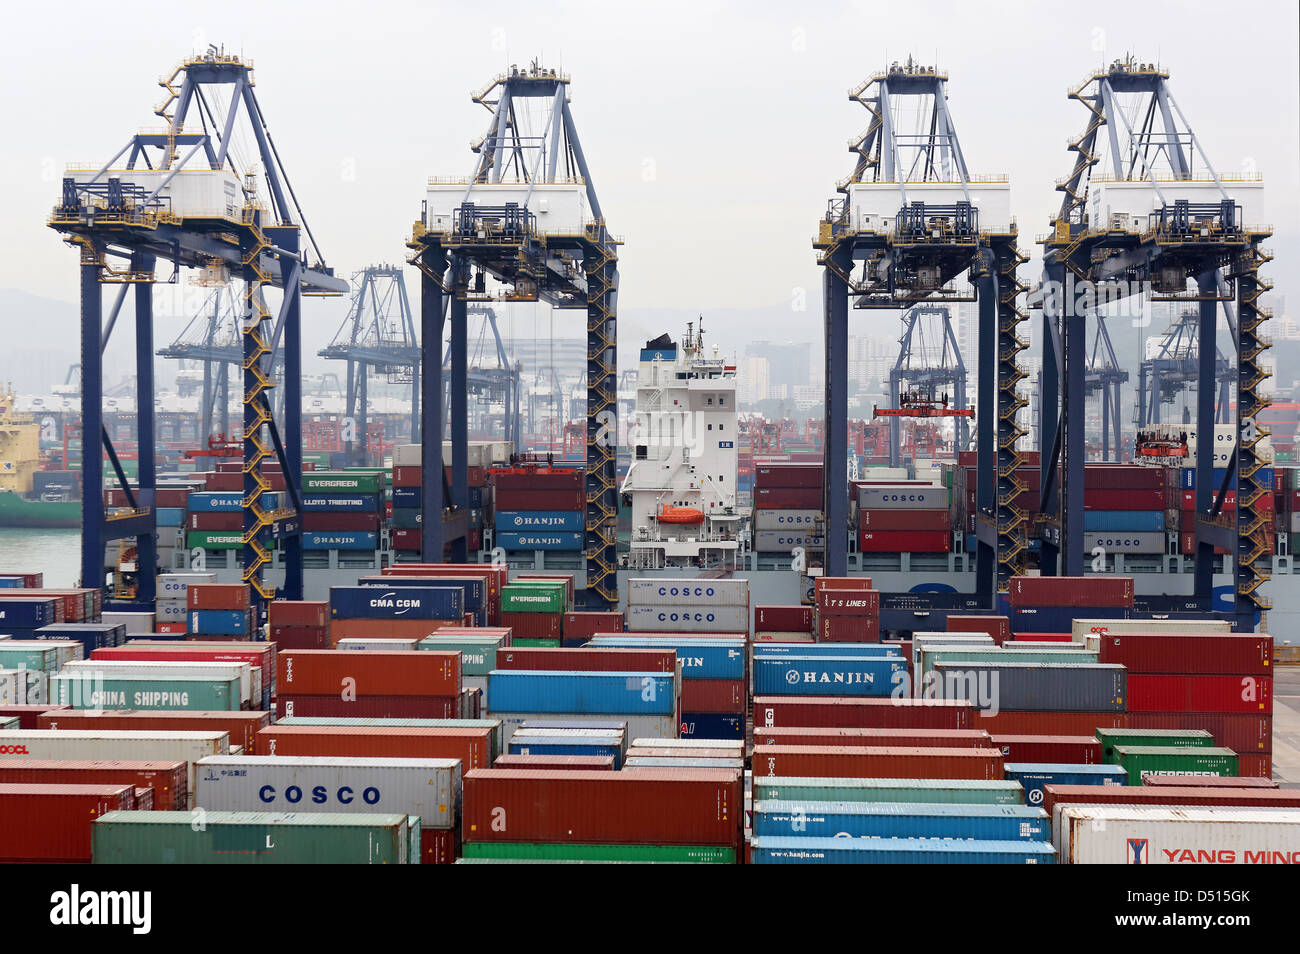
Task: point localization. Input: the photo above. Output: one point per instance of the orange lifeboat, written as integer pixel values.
(687, 515)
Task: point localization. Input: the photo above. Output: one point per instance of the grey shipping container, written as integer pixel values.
(662, 591)
(778, 541)
(786, 519)
(903, 497)
(638, 726)
(676, 618)
(1039, 687)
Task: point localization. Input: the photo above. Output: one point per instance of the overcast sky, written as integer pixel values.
(714, 131)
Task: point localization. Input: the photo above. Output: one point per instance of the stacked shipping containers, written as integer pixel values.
(538, 507)
(788, 507)
(341, 510)
(220, 609)
(903, 517)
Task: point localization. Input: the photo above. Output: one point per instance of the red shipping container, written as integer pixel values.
(899, 541)
(223, 482)
(169, 628)
(907, 738)
(534, 625)
(215, 522)
(999, 627)
(144, 801)
(439, 846)
(714, 695)
(787, 498)
(832, 761)
(51, 823)
(1187, 500)
(169, 780)
(1049, 723)
(242, 727)
(473, 746)
(1122, 477)
(407, 541)
(834, 712)
(1206, 781)
(28, 715)
(1231, 797)
(318, 521)
(788, 475)
(1187, 544)
(934, 521)
(525, 499)
(604, 659)
(474, 538)
(836, 602)
(301, 637)
(309, 672)
(633, 806)
(578, 625)
(840, 583)
(394, 628)
(848, 629)
(1092, 591)
(407, 477)
(543, 478)
(568, 763)
(783, 619)
(1069, 749)
(368, 707)
(298, 613)
(1042, 638)
(217, 596)
(261, 655)
(1244, 734)
(1244, 694)
(1124, 500)
(1217, 654)
(1255, 766)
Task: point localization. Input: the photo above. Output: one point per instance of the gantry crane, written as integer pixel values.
(1144, 213)
(929, 366)
(528, 217)
(1174, 370)
(908, 223)
(377, 335)
(1104, 377)
(184, 194)
(492, 383)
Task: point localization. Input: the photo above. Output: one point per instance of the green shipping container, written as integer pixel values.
(218, 540)
(947, 791)
(536, 642)
(175, 692)
(343, 482)
(46, 660)
(679, 854)
(541, 597)
(1166, 760)
(478, 654)
(498, 734)
(983, 654)
(1173, 738)
(251, 838)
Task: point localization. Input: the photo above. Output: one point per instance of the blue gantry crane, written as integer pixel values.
(1105, 378)
(529, 218)
(1174, 370)
(1145, 215)
(377, 336)
(912, 226)
(929, 361)
(186, 194)
(492, 376)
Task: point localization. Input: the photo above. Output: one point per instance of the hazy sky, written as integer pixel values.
(715, 131)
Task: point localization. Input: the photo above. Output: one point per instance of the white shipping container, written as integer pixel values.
(176, 586)
(903, 497)
(161, 669)
(685, 760)
(170, 611)
(638, 725)
(136, 623)
(1128, 835)
(663, 591)
(1084, 627)
(786, 519)
(687, 619)
(686, 745)
(10, 686)
(1125, 542)
(171, 538)
(407, 455)
(429, 788)
(783, 541)
(922, 641)
(379, 643)
(35, 687)
(114, 746)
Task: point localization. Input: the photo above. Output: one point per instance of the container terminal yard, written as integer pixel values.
(463, 612)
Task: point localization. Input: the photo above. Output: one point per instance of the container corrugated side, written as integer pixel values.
(522, 690)
(898, 851)
(563, 851)
(983, 822)
(1040, 687)
(660, 591)
(1116, 835)
(977, 791)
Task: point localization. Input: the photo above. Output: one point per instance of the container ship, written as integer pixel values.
(29, 496)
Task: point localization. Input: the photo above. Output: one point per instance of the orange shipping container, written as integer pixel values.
(324, 672)
(818, 761)
(241, 726)
(473, 746)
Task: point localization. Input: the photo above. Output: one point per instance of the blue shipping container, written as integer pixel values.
(339, 503)
(1124, 521)
(827, 675)
(588, 693)
(1187, 477)
(27, 613)
(219, 622)
(91, 635)
(406, 497)
(171, 516)
(595, 747)
(900, 820)
(522, 521)
(899, 851)
(717, 658)
(227, 501)
(1058, 619)
(406, 518)
(1032, 776)
(396, 602)
(826, 649)
(340, 540)
(540, 541)
(473, 587)
(712, 725)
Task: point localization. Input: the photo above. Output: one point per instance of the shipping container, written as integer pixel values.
(768, 519)
(47, 822)
(877, 761)
(1017, 651)
(1200, 693)
(692, 593)
(635, 725)
(1244, 734)
(1138, 761)
(897, 790)
(242, 727)
(1122, 834)
(791, 619)
(633, 806)
(1081, 591)
(593, 693)
(905, 713)
(908, 738)
(323, 672)
(778, 648)
(298, 613)
(585, 625)
(164, 669)
(997, 627)
(167, 780)
(1037, 687)
(827, 675)
(1076, 749)
(904, 541)
(571, 763)
(1004, 722)
(1034, 776)
(701, 657)
(902, 497)
(89, 690)
(1164, 796)
(473, 745)
(369, 707)
(920, 521)
(1206, 781)
(856, 819)
(519, 852)
(217, 596)
(396, 603)
(1132, 736)
(1208, 654)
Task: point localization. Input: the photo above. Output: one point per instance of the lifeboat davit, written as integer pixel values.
(679, 515)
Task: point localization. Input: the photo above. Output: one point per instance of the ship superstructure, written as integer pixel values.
(681, 482)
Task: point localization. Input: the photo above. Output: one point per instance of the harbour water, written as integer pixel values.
(56, 553)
